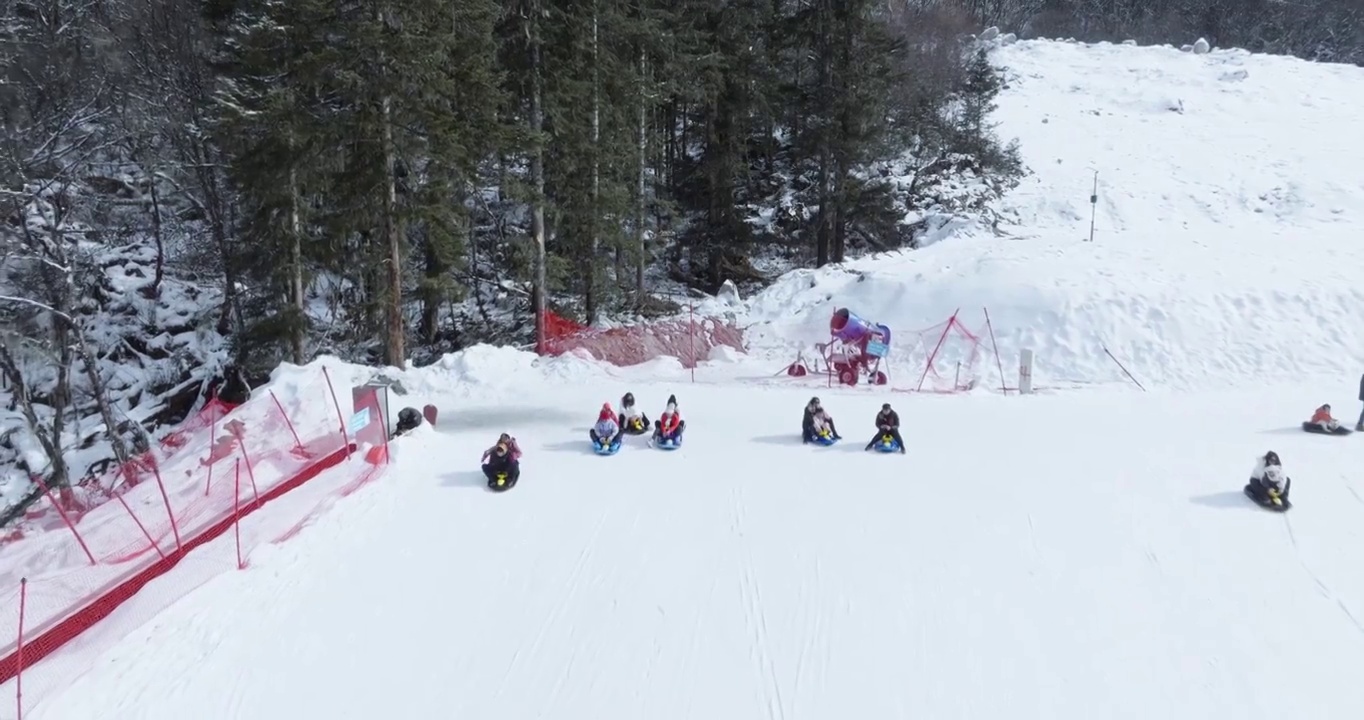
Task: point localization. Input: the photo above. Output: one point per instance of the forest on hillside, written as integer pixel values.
(198, 190)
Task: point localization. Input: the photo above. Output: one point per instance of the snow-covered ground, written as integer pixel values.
(1227, 240)
(1069, 556)
(1082, 554)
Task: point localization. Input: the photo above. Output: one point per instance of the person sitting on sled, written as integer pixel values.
(887, 423)
(607, 431)
(503, 458)
(817, 422)
(1267, 479)
(1322, 418)
(632, 420)
(669, 425)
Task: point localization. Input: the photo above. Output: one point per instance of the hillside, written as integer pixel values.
(1226, 244)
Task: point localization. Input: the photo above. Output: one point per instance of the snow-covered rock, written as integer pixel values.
(1201, 47)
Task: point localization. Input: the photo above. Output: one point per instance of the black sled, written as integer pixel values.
(1268, 500)
(1319, 430)
(502, 481)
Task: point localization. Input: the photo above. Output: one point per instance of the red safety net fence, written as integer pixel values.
(690, 339)
(949, 357)
(87, 550)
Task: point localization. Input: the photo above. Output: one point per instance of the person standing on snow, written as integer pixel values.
(669, 425)
(887, 423)
(631, 419)
(1359, 426)
(607, 430)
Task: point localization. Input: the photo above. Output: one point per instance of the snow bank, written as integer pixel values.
(1226, 242)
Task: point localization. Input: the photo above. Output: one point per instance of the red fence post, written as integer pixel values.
(165, 499)
(70, 525)
(934, 355)
(297, 443)
(237, 512)
(19, 652)
(345, 434)
(988, 326)
(140, 526)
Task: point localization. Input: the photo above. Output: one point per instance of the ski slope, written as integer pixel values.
(1071, 556)
(1227, 239)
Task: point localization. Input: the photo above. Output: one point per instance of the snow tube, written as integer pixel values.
(611, 449)
(1319, 430)
(825, 440)
(1281, 506)
(886, 444)
(672, 444)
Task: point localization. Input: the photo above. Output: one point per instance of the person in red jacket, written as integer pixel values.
(1322, 418)
(669, 425)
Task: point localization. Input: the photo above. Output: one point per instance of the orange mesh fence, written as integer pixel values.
(90, 549)
(689, 339)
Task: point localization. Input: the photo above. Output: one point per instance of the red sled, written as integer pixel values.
(429, 412)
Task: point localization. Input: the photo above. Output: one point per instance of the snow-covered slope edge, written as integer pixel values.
(1226, 252)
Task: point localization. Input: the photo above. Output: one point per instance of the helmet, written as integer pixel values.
(885, 406)
(628, 400)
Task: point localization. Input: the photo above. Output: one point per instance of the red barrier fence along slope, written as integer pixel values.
(199, 486)
(689, 339)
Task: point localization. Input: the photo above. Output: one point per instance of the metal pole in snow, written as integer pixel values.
(1093, 205)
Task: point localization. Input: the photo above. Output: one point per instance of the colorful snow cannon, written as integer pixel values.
(855, 349)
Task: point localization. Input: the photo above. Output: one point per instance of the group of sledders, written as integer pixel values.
(817, 426)
(1268, 484)
(609, 433)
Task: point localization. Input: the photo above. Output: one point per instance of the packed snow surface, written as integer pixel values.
(1227, 242)
(1069, 556)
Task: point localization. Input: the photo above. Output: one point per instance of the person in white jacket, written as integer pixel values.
(632, 420)
(1268, 476)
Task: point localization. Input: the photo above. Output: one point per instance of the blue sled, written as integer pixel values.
(886, 444)
(669, 443)
(825, 441)
(611, 449)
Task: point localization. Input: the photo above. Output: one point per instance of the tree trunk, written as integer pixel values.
(537, 171)
(593, 242)
(394, 351)
(641, 176)
(106, 412)
(59, 476)
(160, 241)
(297, 328)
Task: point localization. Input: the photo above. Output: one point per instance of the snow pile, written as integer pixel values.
(1231, 193)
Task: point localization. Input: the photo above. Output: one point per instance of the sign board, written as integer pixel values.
(1024, 371)
(359, 421)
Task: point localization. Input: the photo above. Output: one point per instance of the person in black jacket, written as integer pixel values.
(1359, 426)
(501, 458)
(887, 423)
(807, 423)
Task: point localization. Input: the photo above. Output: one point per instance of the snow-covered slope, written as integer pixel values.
(1043, 563)
(1227, 243)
